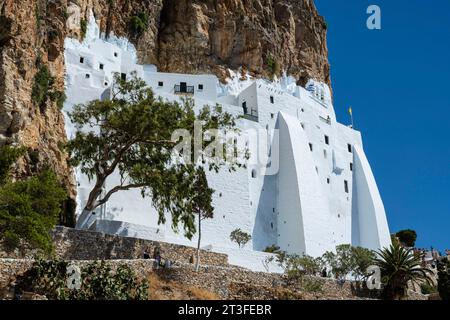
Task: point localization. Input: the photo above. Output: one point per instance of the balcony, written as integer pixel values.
(183, 89)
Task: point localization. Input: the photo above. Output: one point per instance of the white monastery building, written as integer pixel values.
(317, 191)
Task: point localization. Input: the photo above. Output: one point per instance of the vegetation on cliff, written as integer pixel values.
(29, 209)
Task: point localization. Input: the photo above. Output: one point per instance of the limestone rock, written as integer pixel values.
(192, 36)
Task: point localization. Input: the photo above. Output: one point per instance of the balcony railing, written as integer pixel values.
(183, 89)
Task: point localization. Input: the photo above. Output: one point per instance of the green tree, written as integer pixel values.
(444, 279)
(201, 205)
(240, 237)
(29, 210)
(296, 266)
(342, 262)
(8, 156)
(398, 267)
(407, 237)
(362, 259)
(131, 134)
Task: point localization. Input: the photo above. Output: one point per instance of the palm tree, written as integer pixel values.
(398, 267)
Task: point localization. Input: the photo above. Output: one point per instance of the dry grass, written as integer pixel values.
(170, 290)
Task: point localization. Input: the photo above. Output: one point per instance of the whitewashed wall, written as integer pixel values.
(303, 208)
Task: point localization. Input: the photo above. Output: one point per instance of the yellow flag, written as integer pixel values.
(350, 111)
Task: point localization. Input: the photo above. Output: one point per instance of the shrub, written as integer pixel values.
(240, 237)
(43, 82)
(83, 28)
(444, 279)
(272, 249)
(59, 97)
(312, 285)
(8, 156)
(296, 266)
(407, 237)
(98, 282)
(29, 210)
(139, 23)
(427, 288)
(272, 65)
(43, 88)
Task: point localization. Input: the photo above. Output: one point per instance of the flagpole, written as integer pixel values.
(350, 110)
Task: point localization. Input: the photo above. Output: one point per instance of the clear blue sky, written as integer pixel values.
(397, 80)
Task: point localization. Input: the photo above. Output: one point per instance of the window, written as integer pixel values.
(106, 84)
(101, 66)
(271, 225)
(328, 180)
(327, 140)
(123, 76)
(351, 166)
(244, 107)
(253, 173)
(87, 76)
(200, 87)
(272, 115)
(116, 54)
(160, 84)
(349, 147)
(311, 146)
(271, 99)
(81, 59)
(324, 153)
(346, 186)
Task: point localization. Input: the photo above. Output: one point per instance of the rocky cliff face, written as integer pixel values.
(194, 36)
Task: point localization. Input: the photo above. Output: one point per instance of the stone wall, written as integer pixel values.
(227, 282)
(72, 244)
(231, 283)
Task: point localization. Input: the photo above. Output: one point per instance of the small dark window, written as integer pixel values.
(87, 76)
(349, 147)
(271, 99)
(272, 115)
(116, 54)
(123, 76)
(253, 173)
(200, 87)
(271, 225)
(327, 140)
(106, 84)
(351, 166)
(81, 59)
(311, 147)
(346, 186)
(303, 110)
(160, 84)
(328, 180)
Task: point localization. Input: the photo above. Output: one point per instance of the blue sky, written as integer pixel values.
(397, 81)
